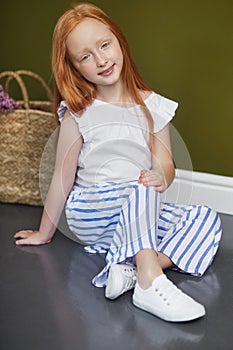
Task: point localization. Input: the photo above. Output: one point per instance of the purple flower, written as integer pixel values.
(6, 102)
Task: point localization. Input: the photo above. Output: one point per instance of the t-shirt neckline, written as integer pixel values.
(101, 102)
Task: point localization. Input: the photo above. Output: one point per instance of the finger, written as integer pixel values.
(22, 242)
(23, 234)
(26, 241)
(149, 175)
(143, 178)
(152, 182)
(152, 175)
(159, 188)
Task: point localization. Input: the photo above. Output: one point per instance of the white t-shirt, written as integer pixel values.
(116, 143)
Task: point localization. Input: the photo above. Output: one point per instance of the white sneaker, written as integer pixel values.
(165, 300)
(121, 278)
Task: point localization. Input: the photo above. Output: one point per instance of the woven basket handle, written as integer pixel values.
(17, 75)
(13, 75)
(39, 79)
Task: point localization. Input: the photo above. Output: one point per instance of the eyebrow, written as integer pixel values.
(102, 39)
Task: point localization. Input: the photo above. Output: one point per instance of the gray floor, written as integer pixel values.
(47, 301)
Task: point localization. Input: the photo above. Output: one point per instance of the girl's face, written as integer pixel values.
(95, 52)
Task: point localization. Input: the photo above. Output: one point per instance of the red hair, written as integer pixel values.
(68, 83)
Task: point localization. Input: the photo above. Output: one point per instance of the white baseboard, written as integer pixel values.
(189, 187)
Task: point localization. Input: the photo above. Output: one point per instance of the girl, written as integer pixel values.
(113, 160)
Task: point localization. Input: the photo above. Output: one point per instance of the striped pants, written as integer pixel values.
(122, 219)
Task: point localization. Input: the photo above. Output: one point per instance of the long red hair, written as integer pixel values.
(68, 83)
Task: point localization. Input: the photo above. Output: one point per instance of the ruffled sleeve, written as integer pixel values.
(62, 110)
(162, 110)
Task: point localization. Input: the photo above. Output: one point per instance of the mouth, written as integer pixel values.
(108, 71)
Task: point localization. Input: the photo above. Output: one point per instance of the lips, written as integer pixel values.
(107, 72)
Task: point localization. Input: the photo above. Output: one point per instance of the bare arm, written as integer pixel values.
(163, 171)
(68, 149)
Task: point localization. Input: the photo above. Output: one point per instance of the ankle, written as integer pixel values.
(145, 280)
(148, 267)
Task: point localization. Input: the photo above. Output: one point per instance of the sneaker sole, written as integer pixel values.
(108, 290)
(159, 314)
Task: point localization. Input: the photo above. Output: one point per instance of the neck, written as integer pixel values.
(111, 93)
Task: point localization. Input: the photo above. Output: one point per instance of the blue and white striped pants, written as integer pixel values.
(122, 219)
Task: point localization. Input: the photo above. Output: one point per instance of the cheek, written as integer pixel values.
(119, 55)
(121, 58)
(86, 71)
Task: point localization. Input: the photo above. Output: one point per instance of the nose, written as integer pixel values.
(101, 60)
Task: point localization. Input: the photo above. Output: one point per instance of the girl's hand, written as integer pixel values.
(29, 237)
(152, 178)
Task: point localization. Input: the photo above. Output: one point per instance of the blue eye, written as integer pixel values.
(104, 45)
(85, 57)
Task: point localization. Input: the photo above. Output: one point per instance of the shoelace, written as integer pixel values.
(169, 293)
(130, 280)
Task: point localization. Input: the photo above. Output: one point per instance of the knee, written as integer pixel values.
(205, 210)
(207, 214)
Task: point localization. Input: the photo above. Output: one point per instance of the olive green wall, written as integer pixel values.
(183, 48)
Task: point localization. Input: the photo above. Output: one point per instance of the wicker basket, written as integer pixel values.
(23, 136)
